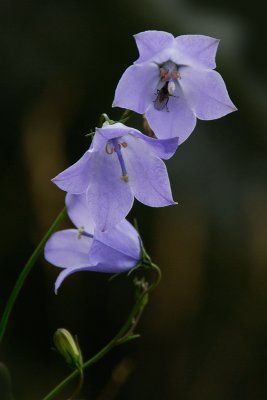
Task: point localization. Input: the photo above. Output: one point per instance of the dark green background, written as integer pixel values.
(204, 331)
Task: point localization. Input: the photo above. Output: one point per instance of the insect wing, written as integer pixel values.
(162, 98)
(160, 103)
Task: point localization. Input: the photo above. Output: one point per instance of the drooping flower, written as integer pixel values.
(120, 164)
(88, 249)
(173, 82)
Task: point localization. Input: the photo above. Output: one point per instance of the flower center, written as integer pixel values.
(169, 76)
(114, 146)
(169, 72)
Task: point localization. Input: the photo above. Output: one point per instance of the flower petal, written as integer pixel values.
(175, 120)
(137, 87)
(78, 212)
(197, 50)
(109, 197)
(148, 176)
(102, 135)
(206, 92)
(69, 271)
(75, 178)
(150, 43)
(123, 238)
(162, 148)
(66, 249)
(111, 260)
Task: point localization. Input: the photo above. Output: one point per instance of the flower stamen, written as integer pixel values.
(109, 148)
(81, 232)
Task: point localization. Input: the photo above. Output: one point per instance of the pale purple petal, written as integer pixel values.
(109, 197)
(103, 135)
(123, 238)
(78, 212)
(196, 50)
(110, 259)
(66, 249)
(150, 43)
(162, 148)
(175, 120)
(206, 93)
(147, 174)
(69, 271)
(75, 178)
(137, 87)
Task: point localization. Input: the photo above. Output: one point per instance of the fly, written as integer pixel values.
(163, 95)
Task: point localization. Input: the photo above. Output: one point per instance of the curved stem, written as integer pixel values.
(25, 272)
(104, 118)
(126, 115)
(157, 281)
(125, 330)
(77, 390)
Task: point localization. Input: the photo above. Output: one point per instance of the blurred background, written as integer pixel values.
(203, 334)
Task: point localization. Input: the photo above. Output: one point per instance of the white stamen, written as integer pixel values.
(171, 88)
(80, 232)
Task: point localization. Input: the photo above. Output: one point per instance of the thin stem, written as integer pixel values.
(25, 272)
(126, 115)
(80, 384)
(104, 118)
(157, 281)
(127, 328)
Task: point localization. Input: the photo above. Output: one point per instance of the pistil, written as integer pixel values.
(117, 149)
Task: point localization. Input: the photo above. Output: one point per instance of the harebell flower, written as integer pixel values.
(120, 164)
(173, 82)
(88, 249)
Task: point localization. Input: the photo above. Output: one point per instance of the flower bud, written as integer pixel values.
(68, 347)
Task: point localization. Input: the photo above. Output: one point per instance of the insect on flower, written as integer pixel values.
(163, 95)
(187, 63)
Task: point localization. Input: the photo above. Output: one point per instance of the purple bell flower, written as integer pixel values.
(120, 164)
(88, 249)
(173, 82)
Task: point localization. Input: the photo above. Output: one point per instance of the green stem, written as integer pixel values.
(25, 272)
(127, 328)
(80, 384)
(104, 118)
(125, 116)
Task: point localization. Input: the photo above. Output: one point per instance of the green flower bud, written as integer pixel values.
(68, 348)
